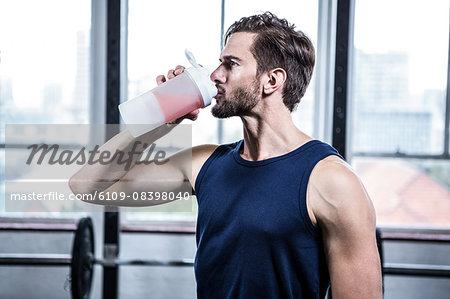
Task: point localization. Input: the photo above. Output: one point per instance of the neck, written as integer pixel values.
(270, 132)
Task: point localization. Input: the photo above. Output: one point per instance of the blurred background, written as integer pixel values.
(387, 109)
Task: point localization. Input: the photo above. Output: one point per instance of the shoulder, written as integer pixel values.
(200, 155)
(332, 174)
(190, 160)
(196, 155)
(202, 152)
(338, 192)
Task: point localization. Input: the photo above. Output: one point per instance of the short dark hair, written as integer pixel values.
(279, 45)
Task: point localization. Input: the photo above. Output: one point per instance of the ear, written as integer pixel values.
(274, 80)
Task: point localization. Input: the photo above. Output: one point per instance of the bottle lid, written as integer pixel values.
(207, 88)
(201, 77)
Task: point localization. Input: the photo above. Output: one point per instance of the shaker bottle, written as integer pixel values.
(188, 91)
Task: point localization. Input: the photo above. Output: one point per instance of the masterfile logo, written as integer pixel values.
(40, 160)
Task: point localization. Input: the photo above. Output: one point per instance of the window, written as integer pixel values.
(44, 66)
(157, 38)
(398, 117)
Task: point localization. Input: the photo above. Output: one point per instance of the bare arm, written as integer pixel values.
(100, 176)
(345, 214)
(177, 175)
(174, 174)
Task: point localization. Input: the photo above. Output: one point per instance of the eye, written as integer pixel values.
(230, 64)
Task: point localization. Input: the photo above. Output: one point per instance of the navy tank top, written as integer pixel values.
(254, 236)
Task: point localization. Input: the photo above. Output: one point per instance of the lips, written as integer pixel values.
(220, 91)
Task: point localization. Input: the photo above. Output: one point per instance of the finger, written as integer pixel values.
(160, 79)
(193, 115)
(170, 74)
(194, 118)
(178, 70)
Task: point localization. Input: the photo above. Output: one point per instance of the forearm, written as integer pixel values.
(122, 152)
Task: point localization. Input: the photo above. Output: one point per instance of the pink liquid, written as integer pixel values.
(176, 105)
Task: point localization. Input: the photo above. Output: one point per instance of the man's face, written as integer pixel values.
(239, 90)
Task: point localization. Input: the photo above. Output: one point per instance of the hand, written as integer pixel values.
(170, 75)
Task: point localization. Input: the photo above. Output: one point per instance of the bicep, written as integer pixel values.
(346, 218)
(353, 260)
(175, 175)
(171, 175)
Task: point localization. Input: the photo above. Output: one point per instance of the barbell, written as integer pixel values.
(82, 260)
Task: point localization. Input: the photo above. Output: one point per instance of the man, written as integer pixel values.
(280, 214)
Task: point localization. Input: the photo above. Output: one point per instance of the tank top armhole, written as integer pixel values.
(205, 167)
(303, 192)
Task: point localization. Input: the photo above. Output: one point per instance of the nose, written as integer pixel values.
(218, 76)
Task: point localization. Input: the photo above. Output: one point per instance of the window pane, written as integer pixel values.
(2, 180)
(400, 60)
(303, 14)
(44, 67)
(400, 75)
(157, 38)
(408, 192)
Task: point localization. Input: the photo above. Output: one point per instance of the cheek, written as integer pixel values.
(238, 78)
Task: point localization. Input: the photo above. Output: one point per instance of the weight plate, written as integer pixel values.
(82, 267)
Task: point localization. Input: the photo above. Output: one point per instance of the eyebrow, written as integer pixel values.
(229, 57)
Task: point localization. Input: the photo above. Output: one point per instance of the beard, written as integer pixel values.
(240, 102)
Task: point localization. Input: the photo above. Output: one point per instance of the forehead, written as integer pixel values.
(238, 45)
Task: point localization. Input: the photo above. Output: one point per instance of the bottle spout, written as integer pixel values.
(190, 57)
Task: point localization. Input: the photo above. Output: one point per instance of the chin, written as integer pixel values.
(218, 113)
